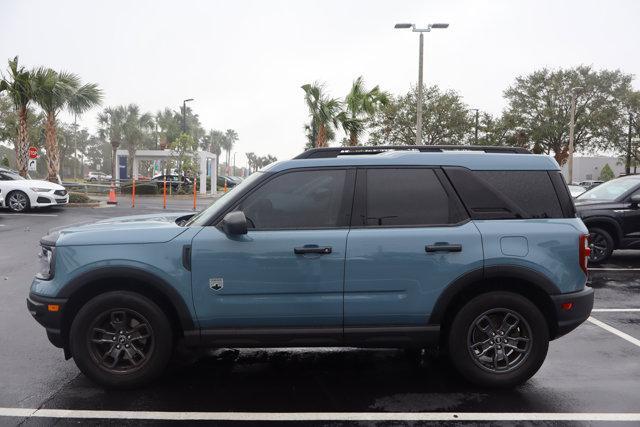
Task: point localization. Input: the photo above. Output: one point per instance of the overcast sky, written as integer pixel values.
(244, 61)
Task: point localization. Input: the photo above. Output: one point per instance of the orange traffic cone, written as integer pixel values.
(112, 195)
(225, 185)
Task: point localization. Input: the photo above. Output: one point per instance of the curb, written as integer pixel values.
(83, 205)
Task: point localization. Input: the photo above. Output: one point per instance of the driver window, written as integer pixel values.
(305, 199)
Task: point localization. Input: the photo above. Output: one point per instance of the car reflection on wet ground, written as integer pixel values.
(592, 374)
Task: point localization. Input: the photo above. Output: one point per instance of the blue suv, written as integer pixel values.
(475, 250)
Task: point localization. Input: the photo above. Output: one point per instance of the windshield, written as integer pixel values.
(10, 176)
(203, 217)
(609, 190)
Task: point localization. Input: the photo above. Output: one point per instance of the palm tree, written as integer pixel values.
(111, 122)
(231, 136)
(134, 127)
(54, 92)
(324, 113)
(216, 142)
(19, 86)
(360, 106)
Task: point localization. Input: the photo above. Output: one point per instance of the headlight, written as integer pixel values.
(40, 190)
(45, 263)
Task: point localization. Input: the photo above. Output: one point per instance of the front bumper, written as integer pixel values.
(570, 318)
(48, 312)
(49, 199)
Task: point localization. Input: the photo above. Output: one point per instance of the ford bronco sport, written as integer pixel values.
(476, 250)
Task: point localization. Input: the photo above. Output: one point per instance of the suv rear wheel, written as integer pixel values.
(601, 244)
(498, 339)
(121, 340)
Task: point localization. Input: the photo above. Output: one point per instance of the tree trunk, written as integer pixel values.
(562, 155)
(22, 143)
(353, 138)
(321, 140)
(132, 159)
(51, 143)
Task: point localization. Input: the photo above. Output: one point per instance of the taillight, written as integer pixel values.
(583, 252)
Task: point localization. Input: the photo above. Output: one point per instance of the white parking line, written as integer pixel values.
(28, 214)
(321, 416)
(616, 310)
(614, 331)
(614, 269)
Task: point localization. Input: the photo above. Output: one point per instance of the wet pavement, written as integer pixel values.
(589, 371)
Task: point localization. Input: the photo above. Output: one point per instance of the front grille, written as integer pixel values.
(60, 192)
(61, 201)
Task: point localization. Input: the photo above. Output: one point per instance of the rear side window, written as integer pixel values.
(406, 197)
(531, 191)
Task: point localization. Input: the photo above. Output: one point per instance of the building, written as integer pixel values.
(587, 168)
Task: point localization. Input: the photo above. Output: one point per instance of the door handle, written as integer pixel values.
(323, 250)
(443, 247)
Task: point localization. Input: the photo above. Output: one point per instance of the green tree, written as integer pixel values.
(55, 92)
(19, 84)
(324, 114)
(183, 152)
(606, 173)
(136, 126)
(111, 122)
(445, 119)
(5, 161)
(360, 106)
(541, 105)
(230, 138)
(216, 140)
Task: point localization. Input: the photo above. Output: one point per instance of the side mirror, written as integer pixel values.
(635, 200)
(234, 223)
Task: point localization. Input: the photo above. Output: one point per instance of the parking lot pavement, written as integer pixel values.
(593, 374)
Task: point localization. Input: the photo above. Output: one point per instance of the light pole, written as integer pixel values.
(184, 114)
(420, 56)
(574, 95)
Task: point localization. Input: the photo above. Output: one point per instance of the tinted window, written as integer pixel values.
(531, 191)
(306, 199)
(407, 197)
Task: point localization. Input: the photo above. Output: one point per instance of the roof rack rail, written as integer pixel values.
(328, 152)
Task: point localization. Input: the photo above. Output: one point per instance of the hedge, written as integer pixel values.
(79, 198)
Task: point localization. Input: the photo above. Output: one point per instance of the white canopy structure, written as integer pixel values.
(163, 155)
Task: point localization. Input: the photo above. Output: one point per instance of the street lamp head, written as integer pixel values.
(439, 25)
(187, 100)
(403, 25)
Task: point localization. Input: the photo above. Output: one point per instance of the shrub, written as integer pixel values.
(141, 188)
(79, 198)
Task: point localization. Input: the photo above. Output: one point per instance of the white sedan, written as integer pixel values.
(21, 194)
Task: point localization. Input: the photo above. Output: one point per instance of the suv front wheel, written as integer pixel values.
(121, 339)
(498, 339)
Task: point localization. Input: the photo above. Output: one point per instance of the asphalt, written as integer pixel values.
(591, 370)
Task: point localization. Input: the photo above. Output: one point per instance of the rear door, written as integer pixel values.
(410, 238)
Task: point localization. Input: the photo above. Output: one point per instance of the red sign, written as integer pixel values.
(33, 153)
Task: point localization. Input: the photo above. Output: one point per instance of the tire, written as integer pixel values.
(601, 244)
(492, 369)
(121, 360)
(18, 201)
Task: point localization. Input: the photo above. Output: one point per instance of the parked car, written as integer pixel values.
(22, 194)
(589, 184)
(231, 182)
(173, 181)
(576, 190)
(98, 176)
(479, 253)
(611, 213)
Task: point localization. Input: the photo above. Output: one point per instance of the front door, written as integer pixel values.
(410, 238)
(283, 280)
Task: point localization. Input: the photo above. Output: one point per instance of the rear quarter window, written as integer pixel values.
(532, 191)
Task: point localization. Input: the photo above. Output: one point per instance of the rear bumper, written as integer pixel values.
(47, 316)
(581, 305)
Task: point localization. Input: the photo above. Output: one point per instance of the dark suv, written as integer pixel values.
(611, 212)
